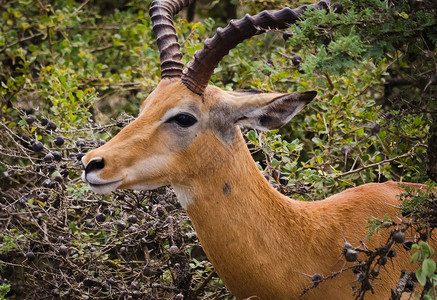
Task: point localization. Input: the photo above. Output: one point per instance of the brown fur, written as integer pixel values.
(259, 241)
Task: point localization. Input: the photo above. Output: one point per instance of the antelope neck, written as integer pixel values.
(234, 212)
(235, 191)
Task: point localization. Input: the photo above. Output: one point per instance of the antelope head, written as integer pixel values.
(187, 135)
(185, 126)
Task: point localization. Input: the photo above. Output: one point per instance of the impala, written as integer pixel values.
(187, 135)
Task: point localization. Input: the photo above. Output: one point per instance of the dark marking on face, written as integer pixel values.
(222, 122)
(227, 189)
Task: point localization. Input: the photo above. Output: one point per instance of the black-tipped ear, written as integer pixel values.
(274, 113)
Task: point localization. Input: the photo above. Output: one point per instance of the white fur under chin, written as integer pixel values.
(98, 185)
(105, 188)
(185, 195)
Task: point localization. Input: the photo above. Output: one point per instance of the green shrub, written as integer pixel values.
(77, 65)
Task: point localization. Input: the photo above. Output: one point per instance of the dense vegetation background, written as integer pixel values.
(72, 73)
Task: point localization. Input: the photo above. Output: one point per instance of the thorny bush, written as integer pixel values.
(66, 67)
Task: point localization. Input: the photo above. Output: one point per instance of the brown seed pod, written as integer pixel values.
(37, 146)
(173, 249)
(351, 255)
(30, 119)
(316, 278)
(100, 217)
(51, 126)
(398, 237)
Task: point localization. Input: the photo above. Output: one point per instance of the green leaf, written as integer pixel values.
(79, 94)
(63, 80)
(275, 162)
(428, 266)
(251, 135)
(414, 257)
(404, 15)
(141, 28)
(421, 277)
(370, 103)
(317, 141)
(424, 248)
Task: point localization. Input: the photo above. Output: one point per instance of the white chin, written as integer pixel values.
(100, 186)
(105, 188)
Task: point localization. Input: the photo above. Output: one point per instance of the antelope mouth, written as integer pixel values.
(105, 188)
(99, 185)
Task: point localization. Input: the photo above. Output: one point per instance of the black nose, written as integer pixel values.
(95, 164)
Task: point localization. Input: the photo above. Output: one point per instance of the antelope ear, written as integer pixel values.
(259, 111)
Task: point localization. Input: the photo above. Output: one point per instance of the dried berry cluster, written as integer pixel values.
(58, 240)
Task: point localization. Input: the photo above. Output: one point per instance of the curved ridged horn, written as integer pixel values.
(198, 72)
(161, 13)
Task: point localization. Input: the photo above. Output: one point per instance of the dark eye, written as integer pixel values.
(184, 120)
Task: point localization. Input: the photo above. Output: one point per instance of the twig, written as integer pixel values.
(204, 283)
(101, 48)
(331, 276)
(80, 7)
(50, 41)
(21, 40)
(329, 80)
(165, 287)
(405, 278)
(101, 28)
(409, 153)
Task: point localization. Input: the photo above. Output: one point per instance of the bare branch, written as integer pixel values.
(21, 40)
(386, 161)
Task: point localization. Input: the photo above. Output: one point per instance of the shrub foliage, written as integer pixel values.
(73, 73)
